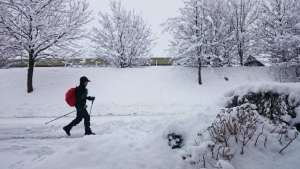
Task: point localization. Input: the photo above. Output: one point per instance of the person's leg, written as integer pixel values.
(76, 121)
(87, 124)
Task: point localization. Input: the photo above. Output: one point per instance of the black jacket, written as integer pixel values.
(81, 96)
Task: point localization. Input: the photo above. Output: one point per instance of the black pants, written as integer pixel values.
(82, 114)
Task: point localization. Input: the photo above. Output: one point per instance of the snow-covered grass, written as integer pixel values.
(133, 112)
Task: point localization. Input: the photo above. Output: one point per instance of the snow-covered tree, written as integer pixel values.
(244, 14)
(42, 25)
(67, 54)
(5, 60)
(219, 32)
(202, 34)
(279, 29)
(212, 32)
(5, 51)
(186, 29)
(123, 39)
(9, 48)
(278, 32)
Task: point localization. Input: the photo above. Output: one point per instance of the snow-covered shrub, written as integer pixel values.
(270, 104)
(173, 133)
(258, 116)
(175, 141)
(241, 125)
(244, 123)
(233, 130)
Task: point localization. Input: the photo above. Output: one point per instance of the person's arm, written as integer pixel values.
(90, 98)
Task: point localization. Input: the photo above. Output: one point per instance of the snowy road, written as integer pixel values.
(26, 140)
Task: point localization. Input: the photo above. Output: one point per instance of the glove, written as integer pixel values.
(85, 106)
(91, 98)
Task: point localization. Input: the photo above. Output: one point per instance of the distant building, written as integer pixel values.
(252, 61)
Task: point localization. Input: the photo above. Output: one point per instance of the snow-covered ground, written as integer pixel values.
(133, 111)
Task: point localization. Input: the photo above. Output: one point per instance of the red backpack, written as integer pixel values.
(70, 97)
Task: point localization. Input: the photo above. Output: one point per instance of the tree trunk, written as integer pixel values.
(241, 55)
(199, 71)
(30, 73)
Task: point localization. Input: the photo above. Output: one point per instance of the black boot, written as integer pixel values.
(67, 129)
(89, 132)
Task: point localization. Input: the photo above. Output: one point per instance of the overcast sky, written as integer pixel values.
(153, 11)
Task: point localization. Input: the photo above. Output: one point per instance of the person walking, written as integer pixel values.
(81, 94)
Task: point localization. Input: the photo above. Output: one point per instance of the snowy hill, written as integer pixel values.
(133, 112)
(137, 91)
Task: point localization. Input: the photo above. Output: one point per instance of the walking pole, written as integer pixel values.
(91, 107)
(60, 117)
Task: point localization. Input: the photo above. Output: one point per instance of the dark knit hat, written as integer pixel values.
(84, 79)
